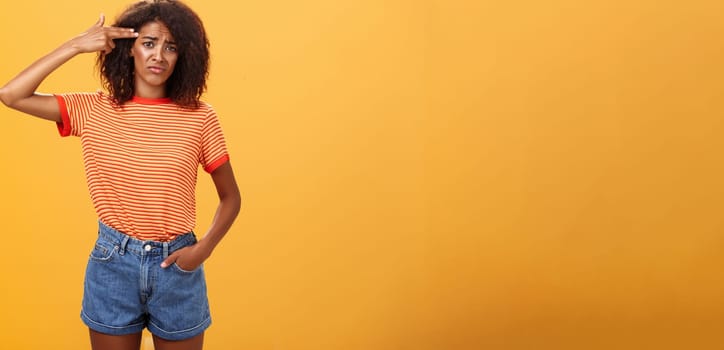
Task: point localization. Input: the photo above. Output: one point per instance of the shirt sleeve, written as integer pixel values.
(74, 111)
(213, 144)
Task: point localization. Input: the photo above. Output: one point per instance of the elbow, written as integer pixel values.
(237, 203)
(233, 202)
(5, 96)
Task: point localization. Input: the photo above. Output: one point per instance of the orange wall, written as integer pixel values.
(416, 175)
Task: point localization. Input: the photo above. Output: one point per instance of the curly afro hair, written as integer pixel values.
(188, 81)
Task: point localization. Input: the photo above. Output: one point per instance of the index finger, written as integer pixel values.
(170, 260)
(120, 32)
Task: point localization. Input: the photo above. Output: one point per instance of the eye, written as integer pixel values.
(148, 44)
(171, 48)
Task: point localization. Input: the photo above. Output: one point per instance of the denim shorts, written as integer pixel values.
(126, 290)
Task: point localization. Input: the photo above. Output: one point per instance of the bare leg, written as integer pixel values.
(195, 343)
(100, 341)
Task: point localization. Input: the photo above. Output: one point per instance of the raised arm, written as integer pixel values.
(19, 93)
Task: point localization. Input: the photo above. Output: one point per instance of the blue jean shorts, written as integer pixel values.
(126, 290)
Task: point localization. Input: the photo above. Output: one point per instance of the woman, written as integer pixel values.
(142, 143)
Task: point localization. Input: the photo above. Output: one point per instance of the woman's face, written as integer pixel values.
(154, 55)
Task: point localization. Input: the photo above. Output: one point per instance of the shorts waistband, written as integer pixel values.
(127, 243)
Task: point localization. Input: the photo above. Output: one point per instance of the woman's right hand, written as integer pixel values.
(99, 38)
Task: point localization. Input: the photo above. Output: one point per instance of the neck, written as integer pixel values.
(146, 92)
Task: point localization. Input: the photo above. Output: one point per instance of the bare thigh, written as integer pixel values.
(195, 343)
(100, 341)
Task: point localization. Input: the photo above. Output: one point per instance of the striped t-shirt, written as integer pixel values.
(141, 159)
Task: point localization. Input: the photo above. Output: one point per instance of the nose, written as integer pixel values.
(158, 54)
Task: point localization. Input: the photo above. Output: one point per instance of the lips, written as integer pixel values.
(156, 70)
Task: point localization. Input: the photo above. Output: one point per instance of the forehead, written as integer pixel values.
(156, 30)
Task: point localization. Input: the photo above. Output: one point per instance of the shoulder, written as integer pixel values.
(205, 109)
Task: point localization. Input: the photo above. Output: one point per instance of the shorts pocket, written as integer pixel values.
(179, 269)
(103, 252)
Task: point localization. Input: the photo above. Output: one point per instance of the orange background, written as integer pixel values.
(415, 175)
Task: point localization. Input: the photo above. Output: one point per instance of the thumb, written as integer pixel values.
(170, 260)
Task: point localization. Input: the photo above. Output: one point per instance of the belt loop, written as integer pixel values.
(165, 250)
(124, 242)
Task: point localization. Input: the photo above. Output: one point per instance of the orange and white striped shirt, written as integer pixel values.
(141, 159)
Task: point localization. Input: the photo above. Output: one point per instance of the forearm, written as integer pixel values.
(26, 83)
(226, 213)
(19, 93)
(195, 255)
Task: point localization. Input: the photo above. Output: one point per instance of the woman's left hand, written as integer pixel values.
(187, 258)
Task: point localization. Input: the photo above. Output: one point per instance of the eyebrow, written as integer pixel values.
(153, 38)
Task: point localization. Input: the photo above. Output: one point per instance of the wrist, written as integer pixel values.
(70, 47)
(205, 247)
